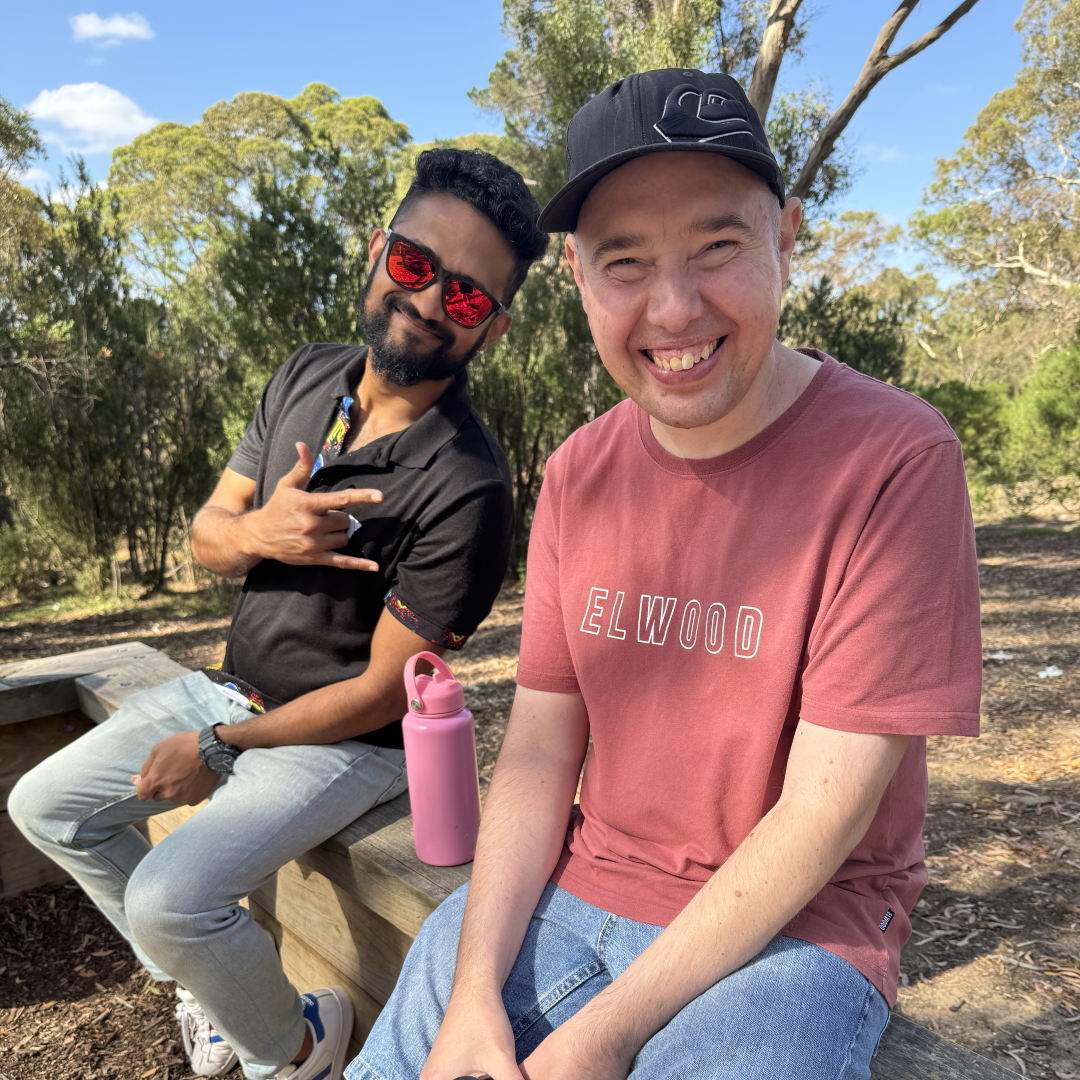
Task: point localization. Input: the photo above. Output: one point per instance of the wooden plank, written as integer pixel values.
(337, 927)
(374, 860)
(908, 1050)
(43, 687)
(22, 866)
(306, 970)
(24, 745)
(101, 693)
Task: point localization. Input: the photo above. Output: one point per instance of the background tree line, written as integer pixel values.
(140, 319)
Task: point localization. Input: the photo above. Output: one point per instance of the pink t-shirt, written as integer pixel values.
(825, 570)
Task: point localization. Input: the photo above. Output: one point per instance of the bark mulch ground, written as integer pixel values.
(994, 961)
(74, 1003)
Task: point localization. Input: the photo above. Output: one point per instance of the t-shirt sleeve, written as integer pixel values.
(248, 453)
(898, 649)
(544, 661)
(449, 580)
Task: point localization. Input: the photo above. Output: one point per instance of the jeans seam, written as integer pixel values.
(605, 933)
(70, 837)
(867, 998)
(548, 1000)
(369, 1070)
(400, 773)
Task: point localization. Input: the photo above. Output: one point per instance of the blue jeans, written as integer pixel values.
(178, 904)
(795, 1012)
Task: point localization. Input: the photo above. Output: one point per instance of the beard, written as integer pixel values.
(400, 363)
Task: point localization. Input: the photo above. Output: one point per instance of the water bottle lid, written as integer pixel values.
(433, 695)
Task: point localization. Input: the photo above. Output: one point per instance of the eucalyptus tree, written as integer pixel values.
(1006, 210)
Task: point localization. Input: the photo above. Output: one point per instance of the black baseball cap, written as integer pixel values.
(653, 112)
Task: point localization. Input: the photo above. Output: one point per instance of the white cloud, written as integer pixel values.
(110, 31)
(89, 117)
(34, 175)
(882, 154)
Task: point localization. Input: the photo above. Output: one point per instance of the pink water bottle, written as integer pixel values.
(440, 755)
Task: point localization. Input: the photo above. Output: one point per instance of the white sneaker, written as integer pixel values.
(208, 1052)
(329, 1017)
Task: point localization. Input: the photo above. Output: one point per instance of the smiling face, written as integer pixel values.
(412, 338)
(681, 258)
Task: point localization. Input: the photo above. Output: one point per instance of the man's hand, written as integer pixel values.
(475, 1040)
(302, 528)
(174, 772)
(568, 1053)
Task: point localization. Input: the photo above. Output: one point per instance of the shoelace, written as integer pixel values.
(193, 1022)
(184, 1013)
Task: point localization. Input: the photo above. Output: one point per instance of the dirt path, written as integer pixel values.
(995, 958)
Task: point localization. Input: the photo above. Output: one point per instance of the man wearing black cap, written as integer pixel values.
(752, 593)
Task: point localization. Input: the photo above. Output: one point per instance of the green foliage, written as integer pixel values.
(112, 403)
(19, 140)
(1006, 210)
(980, 417)
(848, 325)
(1042, 461)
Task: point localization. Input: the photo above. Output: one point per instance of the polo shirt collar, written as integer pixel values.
(416, 445)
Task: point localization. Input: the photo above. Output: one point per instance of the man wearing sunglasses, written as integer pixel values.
(752, 592)
(368, 509)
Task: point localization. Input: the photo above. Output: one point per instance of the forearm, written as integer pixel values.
(773, 874)
(521, 836)
(343, 710)
(224, 542)
(778, 868)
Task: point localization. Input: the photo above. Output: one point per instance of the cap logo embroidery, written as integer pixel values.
(715, 117)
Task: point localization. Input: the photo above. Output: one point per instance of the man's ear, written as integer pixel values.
(499, 325)
(375, 247)
(790, 217)
(572, 258)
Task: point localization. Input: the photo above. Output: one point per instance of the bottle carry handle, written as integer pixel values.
(410, 674)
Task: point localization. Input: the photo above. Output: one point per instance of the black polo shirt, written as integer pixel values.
(441, 535)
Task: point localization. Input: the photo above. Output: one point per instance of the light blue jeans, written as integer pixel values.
(178, 904)
(795, 1012)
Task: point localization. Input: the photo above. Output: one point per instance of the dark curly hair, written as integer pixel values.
(491, 187)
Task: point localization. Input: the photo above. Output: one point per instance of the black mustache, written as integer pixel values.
(399, 303)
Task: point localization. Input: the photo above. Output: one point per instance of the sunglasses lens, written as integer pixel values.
(409, 266)
(466, 305)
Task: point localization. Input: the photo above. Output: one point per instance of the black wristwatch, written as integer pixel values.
(216, 755)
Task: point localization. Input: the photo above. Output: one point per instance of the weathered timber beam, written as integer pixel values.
(46, 686)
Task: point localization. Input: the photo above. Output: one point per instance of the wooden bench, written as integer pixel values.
(347, 911)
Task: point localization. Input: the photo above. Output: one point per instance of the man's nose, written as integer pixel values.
(428, 302)
(675, 301)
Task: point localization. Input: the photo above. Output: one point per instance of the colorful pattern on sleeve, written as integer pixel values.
(335, 439)
(430, 631)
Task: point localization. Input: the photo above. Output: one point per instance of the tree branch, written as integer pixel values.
(878, 64)
(770, 55)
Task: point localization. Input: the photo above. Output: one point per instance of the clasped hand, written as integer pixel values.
(476, 1040)
(174, 772)
(303, 528)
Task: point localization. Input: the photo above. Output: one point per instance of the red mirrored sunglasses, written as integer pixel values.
(414, 269)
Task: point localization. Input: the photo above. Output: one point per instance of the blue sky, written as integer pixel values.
(97, 77)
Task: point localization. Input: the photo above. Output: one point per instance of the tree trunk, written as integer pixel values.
(878, 64)
(770, 56)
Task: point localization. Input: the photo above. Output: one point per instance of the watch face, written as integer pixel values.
(220, 760)
(215, 755)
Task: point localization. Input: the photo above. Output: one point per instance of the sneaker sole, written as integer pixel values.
(346, 1006)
